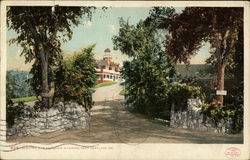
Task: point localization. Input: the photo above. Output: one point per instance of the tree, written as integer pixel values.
(148, 74)
(75, 77)
(219, 26)
(40, 31)
(17, 85)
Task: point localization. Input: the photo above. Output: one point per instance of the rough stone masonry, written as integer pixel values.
(193, 118)
(62, 116)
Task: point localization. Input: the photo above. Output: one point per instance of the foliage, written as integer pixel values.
(235, 69)
(157, 16)
(236, 72)
(15, 112)
(223, 114)
(75, 78)
(123, 92)
(148, 75)
(36, 79)
(10, 85)
(40, 32)
(195, 25)
(198, 24)
(180, 93)
(17, 85)
(104, 84)
(10, 88)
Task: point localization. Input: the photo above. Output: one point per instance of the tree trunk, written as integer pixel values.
(220, 82)
(44, 65)
(45, 84)
(220, 68)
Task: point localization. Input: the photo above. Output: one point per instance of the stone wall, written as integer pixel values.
(62, 116)
(193, 118)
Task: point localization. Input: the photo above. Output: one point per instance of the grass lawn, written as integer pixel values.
(24, 99)
(104, 84)
(123, 92)
(34, 98)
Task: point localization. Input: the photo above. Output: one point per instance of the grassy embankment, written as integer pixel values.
(34, 98)
(104, 84)
(123, 92)
(25, 99)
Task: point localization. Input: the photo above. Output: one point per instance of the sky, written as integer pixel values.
(100, 30)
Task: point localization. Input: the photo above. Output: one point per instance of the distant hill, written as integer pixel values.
(22, 87)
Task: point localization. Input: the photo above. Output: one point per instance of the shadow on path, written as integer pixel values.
(111, 123)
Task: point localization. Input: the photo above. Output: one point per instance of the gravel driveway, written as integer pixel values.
(111, 123)
(108, 93)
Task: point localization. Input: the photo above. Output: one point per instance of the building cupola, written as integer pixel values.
(107, 56)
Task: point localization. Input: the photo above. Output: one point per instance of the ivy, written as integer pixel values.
(15, 112)
(180, 93)
(224, 113)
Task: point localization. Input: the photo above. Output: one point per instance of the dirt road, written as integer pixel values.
(108, 93)
(111, 123)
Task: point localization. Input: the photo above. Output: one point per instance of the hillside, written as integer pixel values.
(17, 85)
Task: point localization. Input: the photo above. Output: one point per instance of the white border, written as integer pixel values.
(129, 3)
(142, 151)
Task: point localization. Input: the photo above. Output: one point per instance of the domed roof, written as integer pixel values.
(107, 50)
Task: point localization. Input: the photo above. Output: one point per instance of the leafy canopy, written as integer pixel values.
(198, 24)
(47, 22)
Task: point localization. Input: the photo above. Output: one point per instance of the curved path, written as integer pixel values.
(108, 93)
(111, 123)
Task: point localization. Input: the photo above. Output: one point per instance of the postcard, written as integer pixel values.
(124, 80)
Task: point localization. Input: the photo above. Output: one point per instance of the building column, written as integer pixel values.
(101, 76)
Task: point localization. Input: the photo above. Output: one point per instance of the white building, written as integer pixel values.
(107, 70)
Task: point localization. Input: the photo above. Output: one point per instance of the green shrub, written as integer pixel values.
(147, 86)
(12, 113)
(224, 113)
(148, 74)
(180, 93)
(75, 78)
(15, 112)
